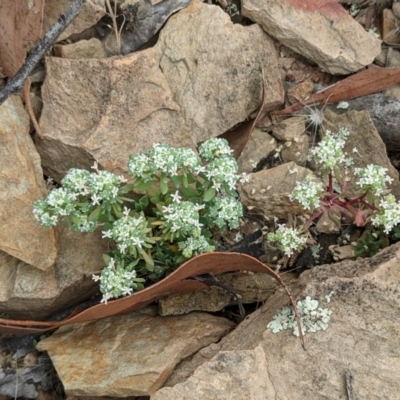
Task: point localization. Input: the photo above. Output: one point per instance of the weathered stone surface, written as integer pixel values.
(259, 146)
(91, 12)
(229, 375)
(130, 355)
(187, 88)
(28, 293)
(296, 150)
(365, 138)
(268, 191)
(216, 82)
(363, 331)
(388, 58)
(289, 129)
(293, 132)
(384, 110)
(323, 31)
(252, 288)
(105, 110)
(21, 184)
(300, 92)
(91, 48)
(390, 32)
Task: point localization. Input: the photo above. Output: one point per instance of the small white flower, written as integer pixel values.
(95, 166)
(176, 197)
(287, 239)
(106, 234)
(96, 199)
(373, 178)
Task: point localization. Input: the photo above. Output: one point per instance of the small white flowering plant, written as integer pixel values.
(373, 207)
(156, 220)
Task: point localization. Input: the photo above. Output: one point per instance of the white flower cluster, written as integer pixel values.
(222, 167)
(214, 148)
(182, 217)
(195, 245)
(222, 171)
(115, 281)
(100, 186)
(329, 152)
(312, 318)
(225, 210)
(308, 193)
(90, 189)
(288, 240)
(162, 158)
(130, 234)
(388, 214)
(58, 205)
(372, 178)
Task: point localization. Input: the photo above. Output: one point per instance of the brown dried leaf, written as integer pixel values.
(177, 282)
(369, 81)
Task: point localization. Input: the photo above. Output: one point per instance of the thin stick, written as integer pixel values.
(113, 15)
(17, 81)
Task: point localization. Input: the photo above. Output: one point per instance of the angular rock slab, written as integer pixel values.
(217, 82)
(321, 30)
(268, 190)
(229, 375)
(252, 288)
(28, 293)
(361, 340)
(91, 12)
(260, 144)
(187, 88)
(106, 109)
(21, 184)
(130, 355)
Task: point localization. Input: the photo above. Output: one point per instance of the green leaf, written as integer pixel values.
(149, 261)
(191, 179)
(163, 187)
(155, 199)
(117, 211)
(143, 187)
(185, 180)
(127, 188)
(164, 178)
(144, 201)
(175, 181)
(94, 215)
(209, 194)
(74, 219)
(106, 259)
(188, 193)
(229, 191)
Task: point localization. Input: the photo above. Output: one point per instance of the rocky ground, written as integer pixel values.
(180, 72)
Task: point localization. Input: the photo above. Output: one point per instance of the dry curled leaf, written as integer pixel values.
(177, 282)
(369, 81)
